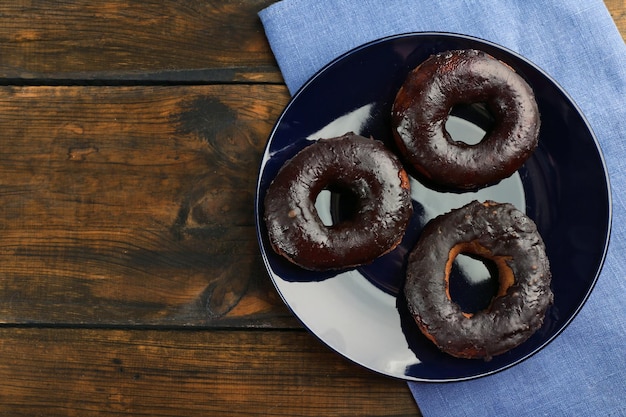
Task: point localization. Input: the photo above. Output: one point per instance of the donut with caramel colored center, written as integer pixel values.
(351, 164)
(489, 230)
(464, 77)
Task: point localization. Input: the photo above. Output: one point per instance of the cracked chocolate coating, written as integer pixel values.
(492, 230)
(351, 163)
(423, 104)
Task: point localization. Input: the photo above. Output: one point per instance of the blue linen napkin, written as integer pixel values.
(583, 372)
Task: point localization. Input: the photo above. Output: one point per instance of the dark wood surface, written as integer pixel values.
(130, 277)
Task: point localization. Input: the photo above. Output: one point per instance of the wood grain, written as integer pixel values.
(617, 8)
(176, 41)
(191, 41)
(134, 205)
(70, 372)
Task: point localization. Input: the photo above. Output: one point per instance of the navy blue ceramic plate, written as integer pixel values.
(360, 313)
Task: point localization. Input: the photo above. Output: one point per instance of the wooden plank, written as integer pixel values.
(188, 41)
(134, 205)
(66, 372)
(617, 8)
(191, 41)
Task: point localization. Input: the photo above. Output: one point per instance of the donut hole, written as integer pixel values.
(469, 123)
(336, 204)
(322, 205)
(474, 282)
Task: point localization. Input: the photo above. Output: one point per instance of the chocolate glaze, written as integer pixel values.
(424, 102)
(366, 169)
(491, 230)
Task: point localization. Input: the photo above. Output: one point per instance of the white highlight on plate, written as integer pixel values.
(464, 131)
(322, 205)
(370, 326)
(353, 121)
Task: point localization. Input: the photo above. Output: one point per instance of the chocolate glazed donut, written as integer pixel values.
(490, 230)
(351, 163)
(428, 95)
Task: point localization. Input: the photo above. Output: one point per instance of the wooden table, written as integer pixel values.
(130, 276)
